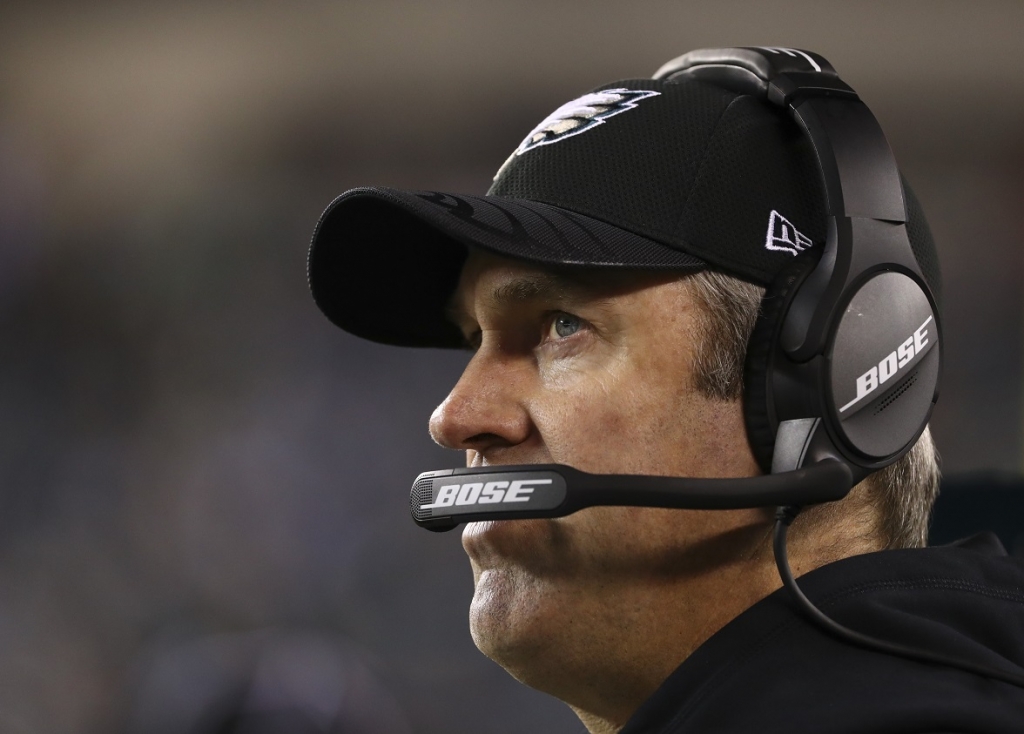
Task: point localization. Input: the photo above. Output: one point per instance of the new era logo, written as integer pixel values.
(783, 236)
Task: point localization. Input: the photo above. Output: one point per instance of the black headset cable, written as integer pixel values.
(784, 516)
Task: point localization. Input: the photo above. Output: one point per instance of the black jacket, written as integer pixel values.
(770, 670)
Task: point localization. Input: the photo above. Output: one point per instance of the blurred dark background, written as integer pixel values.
(197, 472)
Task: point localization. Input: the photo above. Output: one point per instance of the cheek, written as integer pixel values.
(640, 416)
(608, 420)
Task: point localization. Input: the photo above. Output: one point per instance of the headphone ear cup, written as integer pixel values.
(761, 428)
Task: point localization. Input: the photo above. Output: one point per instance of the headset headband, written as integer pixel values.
(866, 236)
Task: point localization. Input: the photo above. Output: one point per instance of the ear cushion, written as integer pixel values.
(757, 410)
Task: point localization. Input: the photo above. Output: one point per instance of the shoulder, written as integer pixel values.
(772, 669)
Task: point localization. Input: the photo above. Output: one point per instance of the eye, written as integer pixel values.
(564, 325)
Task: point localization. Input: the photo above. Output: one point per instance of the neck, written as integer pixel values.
(658, 626)
(671, 625)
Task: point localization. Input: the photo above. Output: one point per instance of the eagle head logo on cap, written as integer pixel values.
(576, 117)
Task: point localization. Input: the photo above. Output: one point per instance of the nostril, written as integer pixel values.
(454, 424)
(485, 409)
(441, 427)
(483, 441)
(479, 424)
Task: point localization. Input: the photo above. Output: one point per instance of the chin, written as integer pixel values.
(507, 616)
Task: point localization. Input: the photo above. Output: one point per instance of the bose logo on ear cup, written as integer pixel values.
(893, 362)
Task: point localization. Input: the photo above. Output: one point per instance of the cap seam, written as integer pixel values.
(703, 162)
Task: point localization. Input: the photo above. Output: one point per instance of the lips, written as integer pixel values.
(497, 542)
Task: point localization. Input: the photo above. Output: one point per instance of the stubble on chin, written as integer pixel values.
(507, 618)
(493, 611)
(523, 575)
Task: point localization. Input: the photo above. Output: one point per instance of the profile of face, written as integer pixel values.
(594, 369)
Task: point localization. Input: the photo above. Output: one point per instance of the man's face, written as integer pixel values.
(593, 370)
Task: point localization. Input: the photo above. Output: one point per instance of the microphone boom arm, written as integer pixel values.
(441, 500)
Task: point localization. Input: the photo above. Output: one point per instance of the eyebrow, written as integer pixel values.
(522, 289)
(529, 288)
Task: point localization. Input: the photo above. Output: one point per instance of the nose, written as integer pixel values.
(485, 411)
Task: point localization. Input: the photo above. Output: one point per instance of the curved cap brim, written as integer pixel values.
(383, 263)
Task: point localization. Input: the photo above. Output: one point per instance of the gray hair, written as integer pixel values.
(903, 492)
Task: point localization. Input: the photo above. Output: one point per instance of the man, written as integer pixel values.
(607, 287)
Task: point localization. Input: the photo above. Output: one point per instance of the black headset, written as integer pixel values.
(843, 364)
(844, 360)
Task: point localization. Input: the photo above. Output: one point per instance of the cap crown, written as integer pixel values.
(719, 175)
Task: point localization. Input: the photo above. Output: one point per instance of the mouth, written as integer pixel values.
(480, 544)
(475, 534)
(491, 543)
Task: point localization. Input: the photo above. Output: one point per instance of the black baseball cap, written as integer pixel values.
(647, 174)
